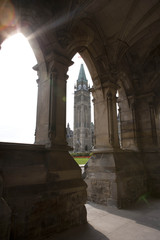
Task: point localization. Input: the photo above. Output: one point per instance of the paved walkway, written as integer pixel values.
(110, 223)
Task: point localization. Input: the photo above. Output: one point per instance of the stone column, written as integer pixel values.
(144, 122)
(153, 123)
(157, 120)
(41, 131)
(57, 103)
(147, 138)
(100, 171)
(134, 131)
(106, 130)
(36, 68)
(119, 127)
(63, 173)
(113, 176)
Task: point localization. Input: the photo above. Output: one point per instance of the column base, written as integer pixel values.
(115, 178)
(44, 189)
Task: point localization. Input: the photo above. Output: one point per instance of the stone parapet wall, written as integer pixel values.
(43, 189)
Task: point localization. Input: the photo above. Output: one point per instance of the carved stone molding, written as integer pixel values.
(36, 68)
(64, 37)
(54, 58)
(52, 103)
(153, 123)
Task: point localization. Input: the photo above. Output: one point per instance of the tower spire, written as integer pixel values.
(82, 82)
(82, 75)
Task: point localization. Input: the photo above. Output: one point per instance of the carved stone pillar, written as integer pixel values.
(135, 124)
(62, 171)
(119, 127)
(153, 123)
(41, 131)
(36, 68)
(106, 129)
(157, 120)
(144, 122)
(57, 102)
(100, 170)
(113, 176)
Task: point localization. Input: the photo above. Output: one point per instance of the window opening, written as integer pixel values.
(18, 91)
(78, 116)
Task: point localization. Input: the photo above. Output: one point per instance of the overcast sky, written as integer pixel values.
(18, 90)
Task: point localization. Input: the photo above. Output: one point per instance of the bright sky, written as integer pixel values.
(18, 90)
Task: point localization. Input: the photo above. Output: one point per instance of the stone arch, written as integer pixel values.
(109, 189)
(84, 38)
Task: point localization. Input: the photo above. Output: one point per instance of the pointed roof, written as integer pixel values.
(82, 75)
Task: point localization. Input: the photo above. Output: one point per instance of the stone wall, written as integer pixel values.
(43, 189)
(152, 167)
(131, 178)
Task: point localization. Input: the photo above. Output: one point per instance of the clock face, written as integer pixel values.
(79, 87)
(84, 86)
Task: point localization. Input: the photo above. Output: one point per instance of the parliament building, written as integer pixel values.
(81, 139)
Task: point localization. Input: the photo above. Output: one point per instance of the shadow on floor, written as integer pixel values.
(146, 213)
(85, 232)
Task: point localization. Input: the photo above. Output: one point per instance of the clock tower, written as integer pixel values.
(82, 137)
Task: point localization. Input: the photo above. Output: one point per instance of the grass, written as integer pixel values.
(80, 160)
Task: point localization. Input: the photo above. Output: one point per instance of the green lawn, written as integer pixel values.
(81, 160)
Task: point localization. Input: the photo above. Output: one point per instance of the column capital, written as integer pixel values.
(36, 68)
(57, 104)
(54, 58)
(110, 85)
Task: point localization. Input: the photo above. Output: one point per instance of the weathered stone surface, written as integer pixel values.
(152, 168)
(45, 195)
(100, 176)
(5, 215)
(116, 178)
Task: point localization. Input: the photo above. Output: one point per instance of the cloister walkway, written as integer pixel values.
(109, 223)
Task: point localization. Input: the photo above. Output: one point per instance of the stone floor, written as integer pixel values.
(109, 223)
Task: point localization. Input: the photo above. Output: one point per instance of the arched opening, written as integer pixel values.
(18, 91)
(79, 105)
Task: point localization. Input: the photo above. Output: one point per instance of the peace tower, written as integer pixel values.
(82, 137)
